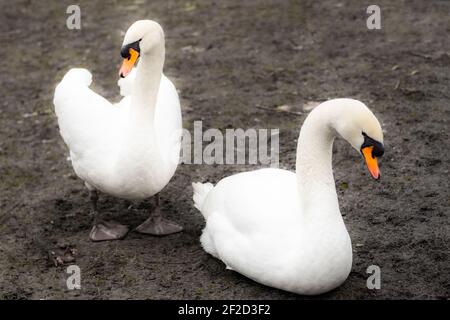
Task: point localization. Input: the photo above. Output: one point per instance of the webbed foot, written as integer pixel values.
(156, 225)
(105, 231)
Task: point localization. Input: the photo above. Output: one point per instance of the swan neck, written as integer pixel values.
(314, 164)
(146, 86)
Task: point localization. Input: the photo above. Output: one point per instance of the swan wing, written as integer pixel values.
(256, 200)
(85, 118)
(250, 208)
(252, 222)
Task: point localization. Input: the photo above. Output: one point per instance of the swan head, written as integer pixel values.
(141, 37)
(359, 126)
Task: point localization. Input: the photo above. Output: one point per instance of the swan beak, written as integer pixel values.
(371, 162)
(128, 63)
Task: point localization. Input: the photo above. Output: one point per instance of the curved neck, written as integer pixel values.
(146, 87)
(317, 189)
(140, 139)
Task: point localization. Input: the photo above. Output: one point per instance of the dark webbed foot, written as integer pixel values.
(104, 231)
(156, 225)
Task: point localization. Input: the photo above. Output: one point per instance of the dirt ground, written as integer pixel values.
(234, 63)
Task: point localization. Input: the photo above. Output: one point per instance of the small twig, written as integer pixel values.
(166, 262)
(280, 111)
(423, 56)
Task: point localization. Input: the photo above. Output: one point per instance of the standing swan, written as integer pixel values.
(129, 150)
(284, 229)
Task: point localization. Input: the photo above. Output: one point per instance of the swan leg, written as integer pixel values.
(157, 225)
(104, 230)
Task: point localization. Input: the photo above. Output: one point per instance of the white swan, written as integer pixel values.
(284, 229)
(129, 150)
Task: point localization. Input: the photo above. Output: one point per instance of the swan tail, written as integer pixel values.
(201, 191)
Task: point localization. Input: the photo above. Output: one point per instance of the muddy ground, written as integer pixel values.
(234, 63)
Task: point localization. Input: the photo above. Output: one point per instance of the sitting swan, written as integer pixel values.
(284, 229)
(129, 150)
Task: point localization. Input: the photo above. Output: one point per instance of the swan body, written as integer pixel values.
(285, 229)
(130, 149)
(102, 153)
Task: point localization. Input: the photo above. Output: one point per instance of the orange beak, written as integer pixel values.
(128, 63)
(371, 162)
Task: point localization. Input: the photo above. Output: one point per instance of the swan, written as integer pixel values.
(284, 229)
(131, 149)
